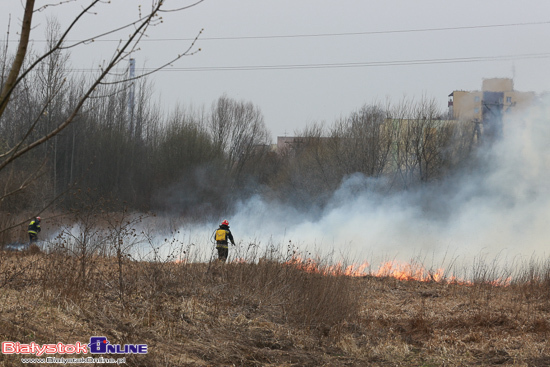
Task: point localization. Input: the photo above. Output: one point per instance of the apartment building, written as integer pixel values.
(487, 107)
(497, 96)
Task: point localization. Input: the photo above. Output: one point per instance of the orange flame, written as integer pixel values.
(314, 266)
(409, 272)
(238, 260)
(391, 269)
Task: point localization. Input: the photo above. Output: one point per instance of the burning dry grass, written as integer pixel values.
(272, 313)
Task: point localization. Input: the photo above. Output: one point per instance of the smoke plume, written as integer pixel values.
(499, 209)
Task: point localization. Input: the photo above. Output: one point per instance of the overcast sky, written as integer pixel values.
(304, 61)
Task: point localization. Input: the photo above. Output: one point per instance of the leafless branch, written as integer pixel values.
(42, 111)
(44, 7)
(12, 79)
(25, 183)
(185, 53)
(14, 72)
(117, 57)
(92, 39)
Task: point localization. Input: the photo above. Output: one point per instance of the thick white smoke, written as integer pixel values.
(502, 210)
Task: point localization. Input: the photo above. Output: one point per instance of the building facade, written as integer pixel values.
(495, 93)
(487, 108)
(497, 96)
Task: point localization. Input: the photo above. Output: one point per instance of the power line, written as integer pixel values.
(345, 34)
(345, 64)
(375, 32)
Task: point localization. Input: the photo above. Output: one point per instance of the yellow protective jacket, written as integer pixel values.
(222, 236)
(34, 226)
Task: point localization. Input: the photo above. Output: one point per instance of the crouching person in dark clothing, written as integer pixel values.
(223, 235)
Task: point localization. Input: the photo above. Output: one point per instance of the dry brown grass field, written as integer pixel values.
(271, 313)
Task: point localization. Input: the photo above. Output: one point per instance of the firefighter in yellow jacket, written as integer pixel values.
(34, 229)
(222, 236)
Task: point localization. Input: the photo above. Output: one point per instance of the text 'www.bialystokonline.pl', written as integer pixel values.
(63, 360)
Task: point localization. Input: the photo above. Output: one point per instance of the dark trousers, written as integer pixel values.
(33, 237)
(223, 253)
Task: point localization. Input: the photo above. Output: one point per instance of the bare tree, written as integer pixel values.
(407, 144)
(51, 80)
(363, 141)
(238, 130)
(426, 145)
(20, 70)
(182, 164)
(309, 173)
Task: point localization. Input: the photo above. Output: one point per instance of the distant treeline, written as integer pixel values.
(198, 161)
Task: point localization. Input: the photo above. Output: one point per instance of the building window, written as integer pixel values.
(476, 99)
(476, 110)
(508, 99)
